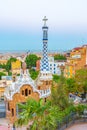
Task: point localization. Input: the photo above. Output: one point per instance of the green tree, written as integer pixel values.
(8, 64)
(10, 73)
(2, 74)
(35, 112)
(33, 74)
(31, 60)
(71, 85)
(56, 78)
(59, 96)
(81, 80)
(3, 66)
(59, 57)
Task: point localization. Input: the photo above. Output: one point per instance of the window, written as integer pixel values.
(26, 92)
(12, 112)
(29, 92)
(22, 92)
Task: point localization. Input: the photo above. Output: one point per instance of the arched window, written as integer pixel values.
(22, 92)
(29, 92)
(26, 92)
(12, 112)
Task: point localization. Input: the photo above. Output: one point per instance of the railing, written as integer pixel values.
(70, 120)
(45, 93)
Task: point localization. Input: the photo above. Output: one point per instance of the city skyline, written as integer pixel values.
(21, 24)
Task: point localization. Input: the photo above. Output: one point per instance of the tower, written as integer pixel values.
(45, 77)
(45, 72)
(44, 64)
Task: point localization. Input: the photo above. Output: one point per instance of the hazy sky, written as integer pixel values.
(21, 24)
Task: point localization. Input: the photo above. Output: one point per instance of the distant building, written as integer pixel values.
(69, 70)
(55, 66)
(76, 61)
(3, 85)
(4, 82)
(15, 67)
(3, 61)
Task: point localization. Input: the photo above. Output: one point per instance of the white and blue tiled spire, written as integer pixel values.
(45, 73)
(44, 63)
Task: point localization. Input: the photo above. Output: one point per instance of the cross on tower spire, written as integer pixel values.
(45, 19)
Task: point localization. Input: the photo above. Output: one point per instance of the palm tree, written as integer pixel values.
(28, 109)
(37, 114)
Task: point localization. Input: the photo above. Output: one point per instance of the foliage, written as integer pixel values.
(18, 74)
(59, 96)
(71, 85)
(33, 74)
(38, 114)
(31, 60)
(8, 64)
(10, 73)
(81, 80)
(59, 57)
(2, 74)
(56, 78)
(3, 66)
(80, 108)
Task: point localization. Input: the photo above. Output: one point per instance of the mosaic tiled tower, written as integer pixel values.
(45, 74)
(45, 65)
(44, 61)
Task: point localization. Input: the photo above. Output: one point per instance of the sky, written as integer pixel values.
(21, 24)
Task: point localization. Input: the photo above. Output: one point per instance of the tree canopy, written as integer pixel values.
(2, 74)
(81, 80)
(71, 85)
(59, 57)
(33, 74)
(8, 64)
(31, 60)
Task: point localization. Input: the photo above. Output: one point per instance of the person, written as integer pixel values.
(13, 128)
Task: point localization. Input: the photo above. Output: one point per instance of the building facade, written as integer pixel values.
(76, 61)
(55, 66)
(16, 66)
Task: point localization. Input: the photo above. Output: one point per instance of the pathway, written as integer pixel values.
(78, 127)
(4, 125)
